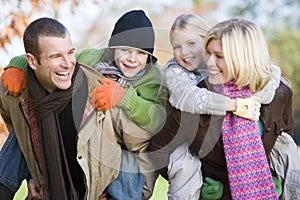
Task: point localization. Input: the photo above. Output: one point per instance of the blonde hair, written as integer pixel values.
(192, 23)
(245, 51)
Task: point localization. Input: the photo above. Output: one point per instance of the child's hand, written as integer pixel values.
(107, 95)
(211, 189)
(14, 79)
(277, 186)
(33, 193)
(248, 108)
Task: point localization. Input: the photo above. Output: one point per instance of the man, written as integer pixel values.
(70, 153)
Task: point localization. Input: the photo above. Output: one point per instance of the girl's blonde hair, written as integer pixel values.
(245, 51)
(190, 22)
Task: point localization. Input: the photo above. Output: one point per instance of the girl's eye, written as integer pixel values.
(192, 43)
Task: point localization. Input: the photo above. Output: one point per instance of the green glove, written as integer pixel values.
(277, 186)
(211, 189)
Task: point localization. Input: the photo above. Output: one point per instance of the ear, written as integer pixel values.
(32, 61)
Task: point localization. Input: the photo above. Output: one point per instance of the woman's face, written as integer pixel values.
(130, 61)
(215, 62)
(187, 49)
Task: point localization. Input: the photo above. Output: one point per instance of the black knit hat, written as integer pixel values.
(134, 29)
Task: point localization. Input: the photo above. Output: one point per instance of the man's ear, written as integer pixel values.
(32, 61)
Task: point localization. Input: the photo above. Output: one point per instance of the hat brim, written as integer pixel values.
(154, 59)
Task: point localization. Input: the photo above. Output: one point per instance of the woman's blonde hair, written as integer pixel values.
(190, 22)
(245, 51)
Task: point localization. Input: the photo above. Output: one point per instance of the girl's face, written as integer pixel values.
(215, 62)
(187, 49)
(130, 61)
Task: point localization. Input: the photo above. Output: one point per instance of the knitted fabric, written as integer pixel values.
(46, 108)
(116, 75)
(247, 165)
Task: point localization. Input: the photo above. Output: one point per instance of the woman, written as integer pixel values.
(237, 57)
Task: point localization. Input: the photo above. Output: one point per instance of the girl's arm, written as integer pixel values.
(185, 95)
(267, 94)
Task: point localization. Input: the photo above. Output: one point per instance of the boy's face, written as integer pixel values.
(130, 61)
(57, 62)
(187, 49)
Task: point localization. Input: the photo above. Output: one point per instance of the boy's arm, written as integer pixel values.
(87, 56)
(145, 106)
(19, 62)
(144, 102)
(90, 56)
(14, 76)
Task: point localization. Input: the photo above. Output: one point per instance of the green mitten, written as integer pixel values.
(277, 186)
(211, 189)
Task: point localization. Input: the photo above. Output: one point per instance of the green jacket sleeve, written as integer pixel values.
(90, 56)
(18, 62)
(87, 56)
(145, 101)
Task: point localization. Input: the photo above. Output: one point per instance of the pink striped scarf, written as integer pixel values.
(247, 165)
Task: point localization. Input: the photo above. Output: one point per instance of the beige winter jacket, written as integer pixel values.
(98, 151)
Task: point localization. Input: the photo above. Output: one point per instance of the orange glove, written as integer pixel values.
(14, 79)
(108, 95)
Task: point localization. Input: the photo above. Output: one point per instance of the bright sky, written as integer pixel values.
(86, 15)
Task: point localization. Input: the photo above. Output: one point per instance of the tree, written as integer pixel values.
(286, 49)
(19, 17)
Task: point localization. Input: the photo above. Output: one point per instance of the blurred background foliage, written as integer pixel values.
(279, 19)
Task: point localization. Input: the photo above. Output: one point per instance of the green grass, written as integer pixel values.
(160, 190)
(22, 192)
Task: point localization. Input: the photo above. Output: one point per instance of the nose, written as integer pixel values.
(132, 56)
(69, 61)
(184, 50)
(210, 60)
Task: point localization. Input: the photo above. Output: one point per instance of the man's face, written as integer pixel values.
(57, 62)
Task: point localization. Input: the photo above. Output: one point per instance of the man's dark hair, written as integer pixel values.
(41, 27)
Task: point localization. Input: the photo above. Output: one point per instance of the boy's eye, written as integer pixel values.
(124, 50)
(142, 53)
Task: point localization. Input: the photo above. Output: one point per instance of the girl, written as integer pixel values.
(183, 73)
